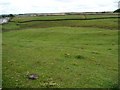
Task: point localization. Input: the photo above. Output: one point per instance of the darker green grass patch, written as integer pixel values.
(109, 48)
(79, 57)
(67, 55)
(95, 52)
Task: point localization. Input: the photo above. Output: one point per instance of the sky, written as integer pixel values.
(56, 6)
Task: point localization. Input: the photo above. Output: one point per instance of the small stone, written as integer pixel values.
(33, 76)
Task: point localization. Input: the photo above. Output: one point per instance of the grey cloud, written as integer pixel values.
(64, 0)
(102, 5)
(35, 6)
(5, 3)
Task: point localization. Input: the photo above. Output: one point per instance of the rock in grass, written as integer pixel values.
(33, 76)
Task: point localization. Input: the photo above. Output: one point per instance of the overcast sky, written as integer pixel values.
(52, 6)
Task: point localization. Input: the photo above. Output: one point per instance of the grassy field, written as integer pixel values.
(100, 21)
(26, 18)
(64, 54)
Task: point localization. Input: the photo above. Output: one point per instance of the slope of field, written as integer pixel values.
(100, 21)
(66, 54)
(28, 18)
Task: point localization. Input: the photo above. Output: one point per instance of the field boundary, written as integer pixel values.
(69, 19)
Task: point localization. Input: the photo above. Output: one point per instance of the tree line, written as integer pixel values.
(9, 15)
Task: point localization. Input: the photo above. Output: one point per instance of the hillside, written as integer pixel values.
(100, 21)
(68, 51)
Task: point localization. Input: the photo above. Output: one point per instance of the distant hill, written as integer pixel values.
(117, 11)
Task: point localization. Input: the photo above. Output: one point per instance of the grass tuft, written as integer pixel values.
(80, 57)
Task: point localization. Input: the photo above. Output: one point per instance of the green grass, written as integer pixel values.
(27, 18)
(65, 54)
(42, 51)
(107, 23)
(18, 22)
(111, 24)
